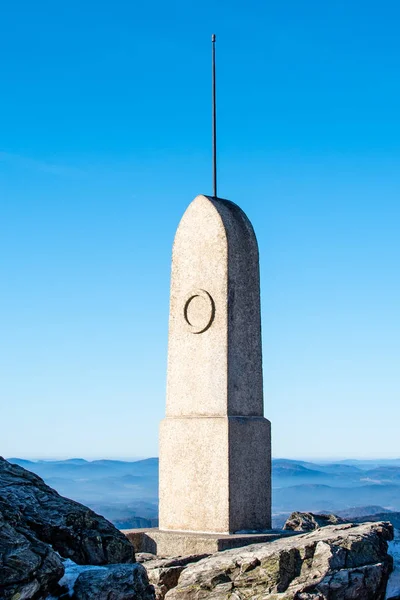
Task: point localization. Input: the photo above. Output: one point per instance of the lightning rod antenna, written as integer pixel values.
(214, 119)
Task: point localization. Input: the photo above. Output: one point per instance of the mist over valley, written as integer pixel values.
(126, 492)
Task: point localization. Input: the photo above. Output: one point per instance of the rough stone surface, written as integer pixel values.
(38, 512)
(215, 462)
(215, 250)
(300, 521)
(143, 557)
(27, 566)
(337, 562)
(114, 582)
(164, 573)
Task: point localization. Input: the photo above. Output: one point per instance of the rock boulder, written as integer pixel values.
(37, 526)
(27, 565)
(337, 562)
(300, 521)
(164, 573)
(114, 582)
(73, 530)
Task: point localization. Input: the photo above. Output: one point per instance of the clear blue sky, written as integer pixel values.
(104, 141)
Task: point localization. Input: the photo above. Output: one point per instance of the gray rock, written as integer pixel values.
(27, 565)
(114, 582)
(37, 525)
(164, 573)
(337, 562)
(300, 521)
(142, 557)
(164, 579)
(73, 530)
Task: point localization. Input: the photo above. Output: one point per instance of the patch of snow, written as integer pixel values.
(72, 572)
(393, 586)
(252, 531)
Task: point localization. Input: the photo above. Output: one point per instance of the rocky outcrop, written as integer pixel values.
(300, 521)
(337, 562)
(73, 530)
(116, 582)
(164, 573)
(37, 525)
(27, 565)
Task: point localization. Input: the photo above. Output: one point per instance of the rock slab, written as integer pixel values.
(164, 573)
(337, 562)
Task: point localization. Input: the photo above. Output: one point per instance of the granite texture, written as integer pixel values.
(337, 562)
(164, 573)
(217, 371)
(215, 465)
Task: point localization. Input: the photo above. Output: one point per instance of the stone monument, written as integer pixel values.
(215, 474)
(215, 444)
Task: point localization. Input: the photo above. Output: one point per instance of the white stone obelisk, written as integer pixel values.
(215, 444)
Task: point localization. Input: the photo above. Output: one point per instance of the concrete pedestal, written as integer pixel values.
(177, 543)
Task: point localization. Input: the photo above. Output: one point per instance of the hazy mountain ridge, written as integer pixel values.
(126, 492)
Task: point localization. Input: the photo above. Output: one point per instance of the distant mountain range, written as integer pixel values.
(126, 492)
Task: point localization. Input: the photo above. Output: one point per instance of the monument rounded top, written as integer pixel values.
(237, 226)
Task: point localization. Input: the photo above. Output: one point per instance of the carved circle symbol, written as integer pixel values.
(199, 311)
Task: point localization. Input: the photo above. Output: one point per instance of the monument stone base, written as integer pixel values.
(181, 543)
(215, 474)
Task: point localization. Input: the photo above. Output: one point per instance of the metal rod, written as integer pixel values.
(214, 119)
